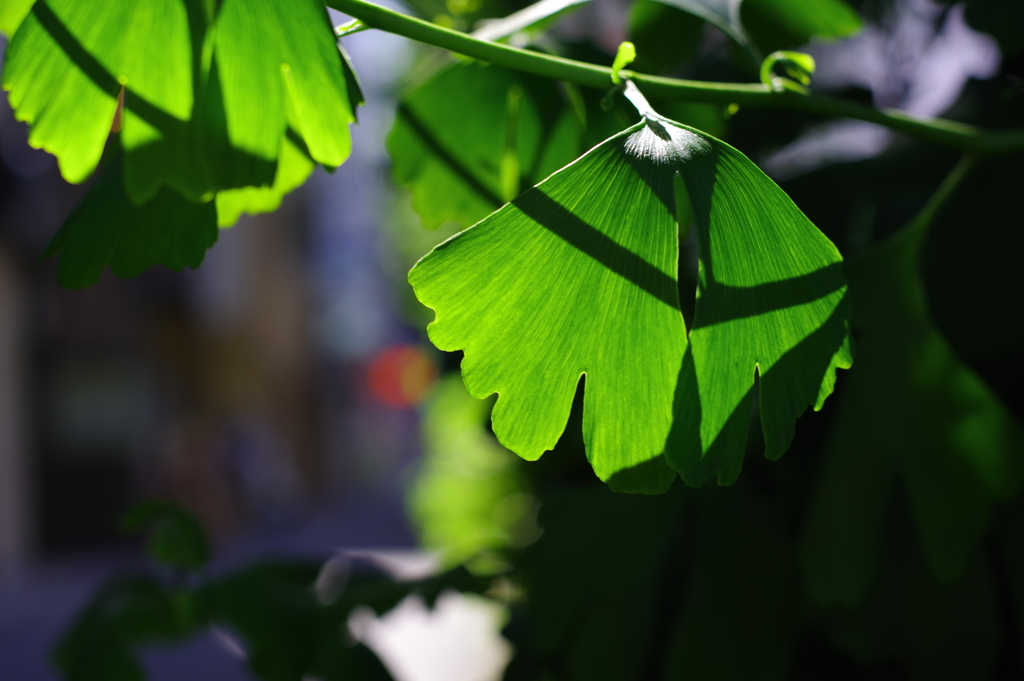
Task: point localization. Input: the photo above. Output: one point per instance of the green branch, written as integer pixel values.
(917, 228)
(936, 130)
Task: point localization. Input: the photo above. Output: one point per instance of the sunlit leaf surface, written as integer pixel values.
(771, 299)
(207, 99)
(12, 12)
(578, 276)
(294, 166)
(935, 425)
(68, 62)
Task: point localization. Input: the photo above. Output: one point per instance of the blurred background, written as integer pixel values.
(281, 392)
(272, 392)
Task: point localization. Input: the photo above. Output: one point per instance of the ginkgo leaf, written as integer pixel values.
(107, 229)
(294, 166)
(67, 64)
(601, 233)
(206, 99)
(12, 12)
(936, 426)
(273, 64)
(771, 299)
(462, 164)
(270, 50)
(576, 276)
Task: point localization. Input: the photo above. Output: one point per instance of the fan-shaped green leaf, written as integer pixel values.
(578, 276)
(294, 166)
(108, 229)
(268, 50)
(67, 63)
(771, 299)
(205, 107)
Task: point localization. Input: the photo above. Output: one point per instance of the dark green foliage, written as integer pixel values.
(174, 539)
(124, 614)
(291, 617)
(108, 230)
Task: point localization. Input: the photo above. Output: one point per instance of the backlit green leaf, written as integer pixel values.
(12, 12)
(294, 166)
(578, 276)
(207, 100)
(68, 62)
(601, 233)
(771, 300)
(270, 50)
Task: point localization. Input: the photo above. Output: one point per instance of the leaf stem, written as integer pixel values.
(936, 130)
(917, 228)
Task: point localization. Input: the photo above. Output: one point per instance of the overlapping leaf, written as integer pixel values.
(207, 98)
(294, 166)
(107, 229)
(936, 426)
(771, 298)
(463, 163)
(67, 63)
(578, 276)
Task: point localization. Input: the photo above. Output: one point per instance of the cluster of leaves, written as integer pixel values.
(890, 548)
(220, 109)
(290, 618)
(576, 266)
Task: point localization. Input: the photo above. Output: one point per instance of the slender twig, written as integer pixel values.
(917, 228)
(939, 131)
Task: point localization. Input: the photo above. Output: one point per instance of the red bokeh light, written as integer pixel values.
(400, 376)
